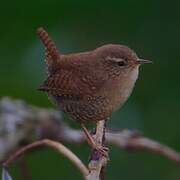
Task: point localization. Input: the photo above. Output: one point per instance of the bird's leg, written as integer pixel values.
(93, 144)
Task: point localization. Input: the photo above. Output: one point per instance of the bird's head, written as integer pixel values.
(119, 59)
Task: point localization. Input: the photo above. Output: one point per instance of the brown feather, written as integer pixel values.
(71, 83)
(52, 54)
(89, 86)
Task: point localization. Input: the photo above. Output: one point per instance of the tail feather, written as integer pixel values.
(52, 53)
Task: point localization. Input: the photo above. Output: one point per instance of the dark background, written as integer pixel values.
(151, 28)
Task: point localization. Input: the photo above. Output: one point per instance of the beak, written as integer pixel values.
(143, 61)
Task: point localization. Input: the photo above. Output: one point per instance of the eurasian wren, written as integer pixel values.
(89, 86)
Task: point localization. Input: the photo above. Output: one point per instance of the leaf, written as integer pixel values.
(5, 175)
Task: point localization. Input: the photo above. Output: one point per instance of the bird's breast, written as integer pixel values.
(122, 87)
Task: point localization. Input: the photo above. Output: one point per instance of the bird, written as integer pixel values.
(89, 86)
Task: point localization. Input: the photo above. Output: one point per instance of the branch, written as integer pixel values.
(55, 145)
(20, 122)
(97, 160)
(129, 140)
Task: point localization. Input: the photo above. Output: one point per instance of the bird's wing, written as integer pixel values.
(72, 84)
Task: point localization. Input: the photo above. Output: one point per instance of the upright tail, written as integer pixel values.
(52, 53)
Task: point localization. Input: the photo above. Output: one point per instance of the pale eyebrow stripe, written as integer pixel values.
(115, 59)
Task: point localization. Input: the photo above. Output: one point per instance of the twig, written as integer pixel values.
(129, 140)
(20, 121)
(55, 145)
(97, 160)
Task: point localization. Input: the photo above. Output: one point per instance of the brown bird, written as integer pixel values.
(90, 86)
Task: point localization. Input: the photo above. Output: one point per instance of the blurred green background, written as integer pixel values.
(151, 28)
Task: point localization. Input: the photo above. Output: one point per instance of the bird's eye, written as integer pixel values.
(121, 63)
(118, 61)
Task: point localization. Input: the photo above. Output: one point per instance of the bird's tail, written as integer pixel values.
(52, 53)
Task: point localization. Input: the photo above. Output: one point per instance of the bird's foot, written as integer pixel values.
(101, 149)
(94, 145)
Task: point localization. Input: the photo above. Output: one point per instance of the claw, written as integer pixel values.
(102, 150)
(99, 148)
